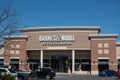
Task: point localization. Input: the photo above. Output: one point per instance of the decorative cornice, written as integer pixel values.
(16, 37)
(118, 44)
(91, 36)
(60, 28)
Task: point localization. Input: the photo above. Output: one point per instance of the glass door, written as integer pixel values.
(59, 62)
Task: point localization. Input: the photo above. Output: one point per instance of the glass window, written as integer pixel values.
(17, 51)
(77, 64)
(11, 71)
(17, 46)
(106, 51)
(100, 45)
(106, 45)
(85, 65)
(1, 50)
(11, 51)
(12, 46)
(3, 70)
(100, 51)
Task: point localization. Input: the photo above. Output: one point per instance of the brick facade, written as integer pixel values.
(110, 56)
(84, 46)
(18, 52)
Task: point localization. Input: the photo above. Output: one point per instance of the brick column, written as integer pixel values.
(113, 64)
(94, 66)
(94, 58)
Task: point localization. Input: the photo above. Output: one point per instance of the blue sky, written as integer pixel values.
(40, 13)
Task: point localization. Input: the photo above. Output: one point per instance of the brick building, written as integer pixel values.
(80, 49)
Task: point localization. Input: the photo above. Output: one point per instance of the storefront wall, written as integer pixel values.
(80, 40)
(60, 60)
(71, 49)
(74, 44)
(103, 58)
(15, 54)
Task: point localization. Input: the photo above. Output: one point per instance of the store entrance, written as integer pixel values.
(58, 62)
(103, 64)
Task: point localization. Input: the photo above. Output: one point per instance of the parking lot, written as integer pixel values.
(84, 77)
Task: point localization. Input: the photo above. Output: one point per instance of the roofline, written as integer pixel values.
(118, 43)
(103, 35)
(16, 37)
(60, 28)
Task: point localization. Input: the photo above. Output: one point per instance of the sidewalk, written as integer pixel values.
(71, 74)
(65, 74)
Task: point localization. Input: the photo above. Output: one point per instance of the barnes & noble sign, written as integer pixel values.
(56, 40)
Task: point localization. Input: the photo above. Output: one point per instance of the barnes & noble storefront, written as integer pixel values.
(58, 56)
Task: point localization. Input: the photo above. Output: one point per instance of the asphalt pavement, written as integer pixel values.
(82, 77)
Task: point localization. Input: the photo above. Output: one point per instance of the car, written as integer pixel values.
(107, 73)
(39, 73)
(22, 75)
(5, 66)
(118, 73)
(4, 71)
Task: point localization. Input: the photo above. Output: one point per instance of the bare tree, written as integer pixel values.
(9, 20)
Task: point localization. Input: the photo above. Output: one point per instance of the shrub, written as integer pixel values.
(7, 77)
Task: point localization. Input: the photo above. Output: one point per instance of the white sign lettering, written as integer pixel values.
(57, 38)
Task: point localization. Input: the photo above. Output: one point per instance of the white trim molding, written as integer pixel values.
(103, 36)
(56, 48)
(61, 28)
